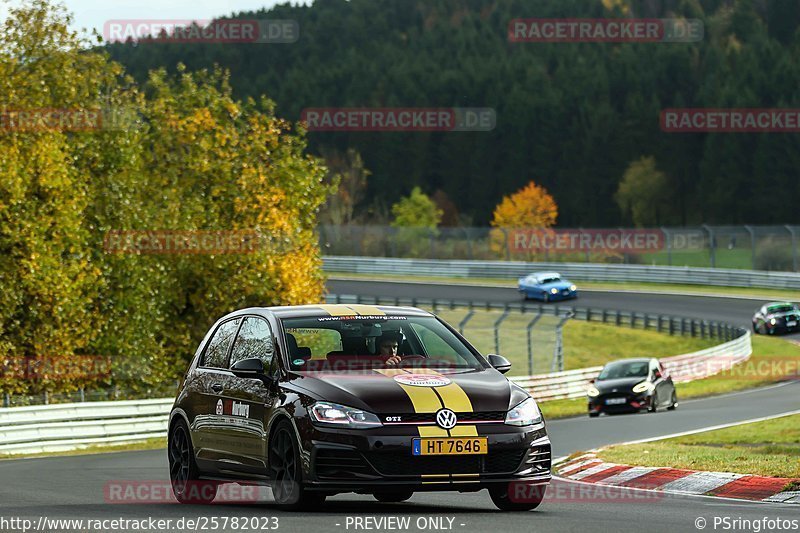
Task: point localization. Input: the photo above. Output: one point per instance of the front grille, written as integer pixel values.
(485, 416)
(341, 464)
(497, 462)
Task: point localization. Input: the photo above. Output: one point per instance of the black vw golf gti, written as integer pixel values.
(317, 400)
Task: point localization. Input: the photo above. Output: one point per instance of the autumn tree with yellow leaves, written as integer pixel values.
(530, 208)
(189, 156)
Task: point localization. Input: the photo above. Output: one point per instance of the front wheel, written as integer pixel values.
(517, 496)
(285, 471)
(654, 403)
(674, 403)
(183, 471)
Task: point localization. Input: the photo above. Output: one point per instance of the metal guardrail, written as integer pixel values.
(511, 270)
(50, 428)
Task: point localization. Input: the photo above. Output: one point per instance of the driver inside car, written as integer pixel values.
(388, 345)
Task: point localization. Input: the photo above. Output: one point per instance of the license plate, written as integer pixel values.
(450, 446)
(615, 401)
(791, 324)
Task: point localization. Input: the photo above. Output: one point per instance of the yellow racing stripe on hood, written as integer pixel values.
(424, 400)
(455, 399)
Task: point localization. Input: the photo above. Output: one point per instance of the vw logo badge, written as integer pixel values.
(446, 419)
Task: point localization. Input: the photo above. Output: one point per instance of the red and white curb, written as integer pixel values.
(588, 468)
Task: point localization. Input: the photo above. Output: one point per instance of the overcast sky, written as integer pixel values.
(93, 13)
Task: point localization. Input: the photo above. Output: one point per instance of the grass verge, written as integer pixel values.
(773, 360)
(768, 448)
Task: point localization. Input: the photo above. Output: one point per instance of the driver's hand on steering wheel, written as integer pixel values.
(393, 360)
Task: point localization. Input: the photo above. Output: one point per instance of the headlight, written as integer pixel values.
(333, 414)
(553, 291)
(573, 288)
(644, 386)
(773, 321)
(525, 413)
(592, 391)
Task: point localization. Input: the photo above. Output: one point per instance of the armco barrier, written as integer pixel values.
(511, 270)
(50, 428)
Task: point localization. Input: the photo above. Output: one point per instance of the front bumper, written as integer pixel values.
(364, 460)
(563, 294)
(633, 402)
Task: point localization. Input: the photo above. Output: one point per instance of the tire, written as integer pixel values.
(674, 403)
(594, 415)
(285, 471)
(394, 496)
(184, 476)
(654, 403)
(533, 498)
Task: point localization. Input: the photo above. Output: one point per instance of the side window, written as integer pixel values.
(254, 341)
(217, 349)
(435, 347)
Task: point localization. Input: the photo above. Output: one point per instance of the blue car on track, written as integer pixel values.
(547, 286)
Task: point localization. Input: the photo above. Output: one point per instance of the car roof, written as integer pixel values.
(776, 304)
(313, 310)
(546, 274)
(632, 360)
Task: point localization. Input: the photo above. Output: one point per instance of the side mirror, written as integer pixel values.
(251, 368)
(657, 375)
(500, 363)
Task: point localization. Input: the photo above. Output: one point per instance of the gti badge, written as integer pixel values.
(219, 407)
(446, 419)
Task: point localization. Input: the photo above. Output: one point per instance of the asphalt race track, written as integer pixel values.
(73, 487)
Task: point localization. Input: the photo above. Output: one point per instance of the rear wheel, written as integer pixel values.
(522, 497)
(183, 471)
(285, 471)
(393, 497)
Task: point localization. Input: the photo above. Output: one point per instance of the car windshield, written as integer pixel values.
(550, 279)
(622, 369)
(783, 308)
(326, 343)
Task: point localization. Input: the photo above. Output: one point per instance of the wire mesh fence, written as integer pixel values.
(773, 248)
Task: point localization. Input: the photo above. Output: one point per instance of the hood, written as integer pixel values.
(621, 384)
(482, 390)
(788, 314)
